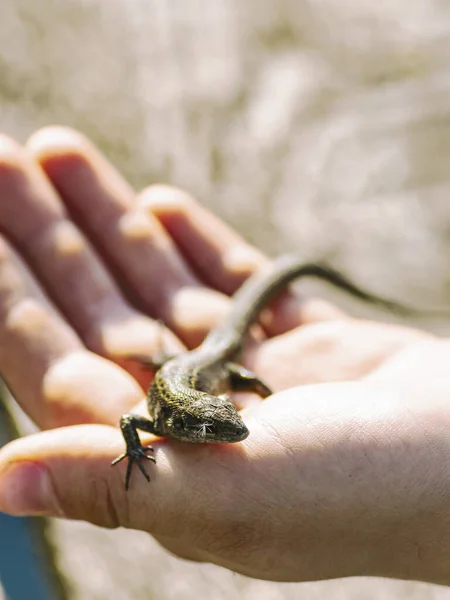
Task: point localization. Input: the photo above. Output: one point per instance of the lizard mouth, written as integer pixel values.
(208, 434)
(228, 435)
(241, 432)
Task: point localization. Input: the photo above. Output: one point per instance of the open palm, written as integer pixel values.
(88, 273)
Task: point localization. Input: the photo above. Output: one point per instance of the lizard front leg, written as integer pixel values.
(243, 380)
(135, 452)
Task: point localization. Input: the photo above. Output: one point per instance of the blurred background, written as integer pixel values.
(317, 126)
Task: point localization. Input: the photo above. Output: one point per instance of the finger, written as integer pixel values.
(223, 259)
(32, 216)
(44, 362)
(133, 243)
(216, 253)
(86, 486)
(67, 473)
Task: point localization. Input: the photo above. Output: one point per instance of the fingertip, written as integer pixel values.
(60, 151)
(82, 387)
(26, 489)
(12, 161)
(63, 472)
(56, 139)
(9, 149)
(165, 200)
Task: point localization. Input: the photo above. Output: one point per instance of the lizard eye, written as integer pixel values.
(189, 421)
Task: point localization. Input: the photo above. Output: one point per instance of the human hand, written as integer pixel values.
(271, 507)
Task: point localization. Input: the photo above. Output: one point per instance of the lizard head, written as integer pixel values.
(209, 419)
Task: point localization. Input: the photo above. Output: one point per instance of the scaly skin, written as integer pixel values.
(187, 399)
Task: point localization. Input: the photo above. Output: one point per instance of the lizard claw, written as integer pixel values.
(135, 455)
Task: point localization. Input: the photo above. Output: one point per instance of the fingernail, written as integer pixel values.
(26, 489)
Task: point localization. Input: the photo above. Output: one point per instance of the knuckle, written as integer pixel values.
(105, 508)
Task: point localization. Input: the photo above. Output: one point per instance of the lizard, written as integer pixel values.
(188, 398)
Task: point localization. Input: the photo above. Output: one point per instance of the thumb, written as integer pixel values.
(67, 472)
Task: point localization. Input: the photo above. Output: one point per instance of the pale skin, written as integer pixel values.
(346, 470)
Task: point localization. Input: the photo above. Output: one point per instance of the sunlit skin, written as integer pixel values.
(346, 470)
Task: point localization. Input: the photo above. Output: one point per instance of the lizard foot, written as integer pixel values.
(135, 455)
